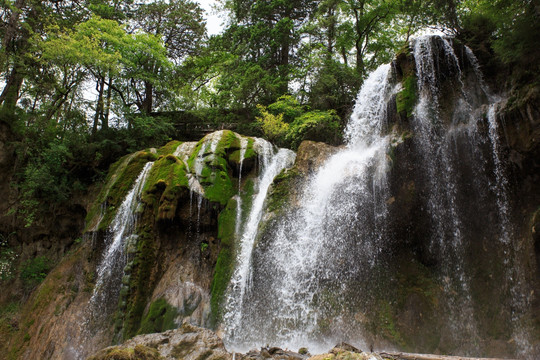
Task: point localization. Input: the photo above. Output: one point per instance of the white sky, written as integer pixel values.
(214, 20)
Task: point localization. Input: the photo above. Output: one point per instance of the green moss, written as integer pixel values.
(140, 352)
(227, 222)
(160, 317)
(215, 176)
(44, 296)
(228, 143)
(224, 264)
(387, 324)
(195, 153)
(119, 181)
(250, 153)
(279, 194)
(168, 169)
(247, 197)
(140, 283)
(406, 99)
(222, 275)
(167, 183)
(222, 188)
(169, 148)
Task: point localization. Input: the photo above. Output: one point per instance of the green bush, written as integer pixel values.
(273, 126)
(35, 270)
(288, 107)
(287, 123)
(315, 125)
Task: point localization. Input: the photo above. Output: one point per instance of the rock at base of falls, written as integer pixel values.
(188, 342)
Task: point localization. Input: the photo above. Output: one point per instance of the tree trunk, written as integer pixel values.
(105, 121)
(100, 87)
(148, 97)
(10, 94)
(11, 28)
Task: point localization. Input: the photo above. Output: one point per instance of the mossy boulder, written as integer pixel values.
(209, 168)
(187, 343)
(160, 317)
(166, 185)
(248, 161)
(210, 164)
(139, 352)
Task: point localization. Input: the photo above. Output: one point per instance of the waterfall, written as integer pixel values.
(272, 163)
(316, 273)
(501, 182)
(348, 189)
(120, 232)
(435, 144)
(243, 148)
(519, 290)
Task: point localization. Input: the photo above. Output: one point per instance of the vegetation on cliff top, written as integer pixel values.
(140, 67)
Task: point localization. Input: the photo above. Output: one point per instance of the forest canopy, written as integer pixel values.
(85, 81)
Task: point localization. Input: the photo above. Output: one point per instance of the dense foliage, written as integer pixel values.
(82, 80)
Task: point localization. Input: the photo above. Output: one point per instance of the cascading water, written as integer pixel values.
(243, 148)
(272, 163)
(350, 187)
(109, 272)
(323, 270)
(435, 144)
(519, 290)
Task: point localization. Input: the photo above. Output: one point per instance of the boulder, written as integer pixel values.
(311, 155)
(188, 343)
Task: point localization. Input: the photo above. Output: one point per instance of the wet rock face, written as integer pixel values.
(187, 343)
(311, 155)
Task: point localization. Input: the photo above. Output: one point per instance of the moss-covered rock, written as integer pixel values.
(160, 317)
(119, 181)
(142, 271)
(210, 164)
(406, 99)
(139, 352)
(166, 185)
(224, 265)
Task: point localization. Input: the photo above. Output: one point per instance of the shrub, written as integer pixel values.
(315, 125)
(35, 270)
(287, 123)
(273, 126)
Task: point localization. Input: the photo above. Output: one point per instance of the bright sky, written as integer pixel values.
(214, 21)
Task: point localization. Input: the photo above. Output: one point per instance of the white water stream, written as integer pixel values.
(110, 269)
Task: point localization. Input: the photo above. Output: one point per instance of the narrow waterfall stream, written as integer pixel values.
(435, 143)
(110, 269)
(272, 163)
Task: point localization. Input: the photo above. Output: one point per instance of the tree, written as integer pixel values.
(266, 36)
(179, 23)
